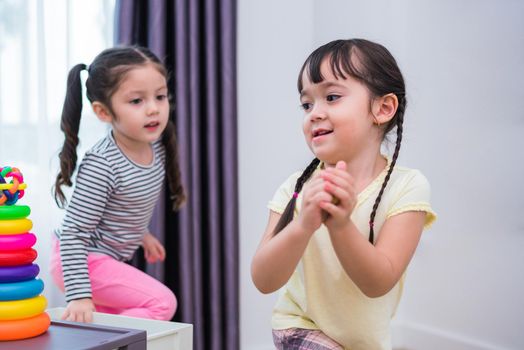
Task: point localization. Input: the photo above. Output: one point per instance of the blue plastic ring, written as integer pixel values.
(21, 290)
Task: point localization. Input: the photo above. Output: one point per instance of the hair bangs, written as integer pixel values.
(343, 61)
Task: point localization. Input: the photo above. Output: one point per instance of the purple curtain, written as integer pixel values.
(197, 41)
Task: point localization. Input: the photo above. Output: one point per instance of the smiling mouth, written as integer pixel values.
(152, 125)
(319, 132)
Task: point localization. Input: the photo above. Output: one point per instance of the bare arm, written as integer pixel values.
(278, 255)
(375, 269)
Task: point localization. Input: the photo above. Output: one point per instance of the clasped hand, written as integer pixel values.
(328, 198)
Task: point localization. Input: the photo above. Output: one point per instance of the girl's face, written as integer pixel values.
(141, 106)
(338, 123)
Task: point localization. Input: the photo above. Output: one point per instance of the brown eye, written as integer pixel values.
(305, 106)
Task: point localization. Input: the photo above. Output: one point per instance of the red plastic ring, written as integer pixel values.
(17, 257)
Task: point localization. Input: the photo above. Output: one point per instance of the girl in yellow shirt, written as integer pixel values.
(341, 233)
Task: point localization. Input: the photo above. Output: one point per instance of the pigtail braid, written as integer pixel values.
(400, 120)
(287, 215)
(70, 124)
(177, 195)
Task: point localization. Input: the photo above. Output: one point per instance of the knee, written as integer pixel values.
(167, 305)
(172, 305)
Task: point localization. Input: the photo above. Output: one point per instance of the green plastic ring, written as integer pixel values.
(8, 212)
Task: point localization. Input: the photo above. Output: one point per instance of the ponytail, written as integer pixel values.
(172, 167)
(287, 215)
(70, 123)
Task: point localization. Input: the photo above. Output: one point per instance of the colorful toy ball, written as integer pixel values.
(11, 190)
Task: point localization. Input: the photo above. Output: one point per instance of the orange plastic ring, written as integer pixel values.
(24, 328)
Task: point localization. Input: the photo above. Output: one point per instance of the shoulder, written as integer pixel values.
(283, 193)
(410, 191)
(104, 148)
(159, 149)
(289, 183)
(102, 157)
(408, 178)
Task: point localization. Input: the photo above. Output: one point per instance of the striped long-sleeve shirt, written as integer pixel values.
(109, 211)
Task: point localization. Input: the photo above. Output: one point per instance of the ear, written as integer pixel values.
(102, 112)
(384, 108)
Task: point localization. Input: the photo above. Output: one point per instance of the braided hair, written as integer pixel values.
(374, 66)
(105, 75)
(287, 215)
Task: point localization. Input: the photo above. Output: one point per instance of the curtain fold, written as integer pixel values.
(197, 41)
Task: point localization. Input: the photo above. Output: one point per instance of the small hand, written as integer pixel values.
(310, 216)
(153, 250)
(339, 184)
(79, 310)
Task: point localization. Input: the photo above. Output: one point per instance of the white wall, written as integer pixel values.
(272, 43)
(464, 65)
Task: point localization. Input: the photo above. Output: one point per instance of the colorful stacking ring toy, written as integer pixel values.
(22, 307)
(17, 242)
(17, 309)
(25, 328)
(14, 190)
(17, 257)
(13, 227)
(21, 290)
(18, 273)
(9, 212)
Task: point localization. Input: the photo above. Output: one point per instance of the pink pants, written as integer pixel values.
(119, 288)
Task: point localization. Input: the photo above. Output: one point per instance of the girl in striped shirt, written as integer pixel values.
(116, 187)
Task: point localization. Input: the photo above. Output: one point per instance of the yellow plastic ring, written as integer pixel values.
(25, 308)
(14, 227)
(9, 186)
(24, 328)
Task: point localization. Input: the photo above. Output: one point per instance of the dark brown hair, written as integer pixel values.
(105, 75)
(374, 66)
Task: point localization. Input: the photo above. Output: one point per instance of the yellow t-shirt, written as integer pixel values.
(320, 295)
